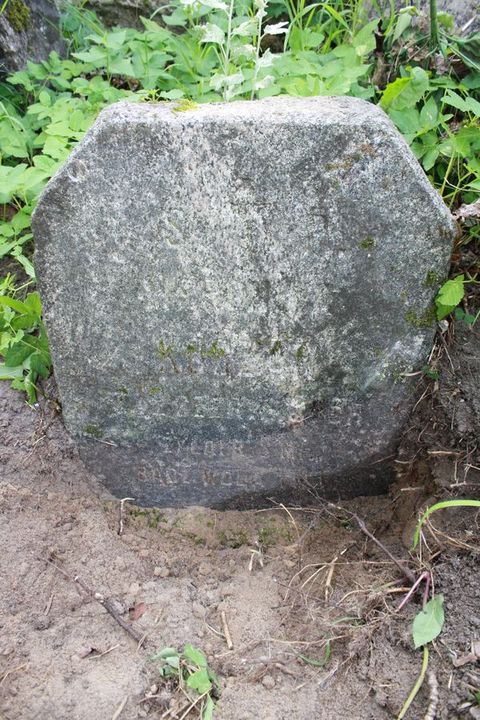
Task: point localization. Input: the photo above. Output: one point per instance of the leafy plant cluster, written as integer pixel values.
(212, 50)
(189, 670)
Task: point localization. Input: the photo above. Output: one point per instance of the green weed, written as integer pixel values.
(440, 506)
(428, 623)
(190, 670)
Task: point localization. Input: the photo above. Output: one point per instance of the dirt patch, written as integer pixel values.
(309, 600)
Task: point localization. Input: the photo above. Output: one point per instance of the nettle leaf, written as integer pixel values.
(449, 296)
(121, 66)
(212, 33)
(195, 656)
(405, 92)
(428, 623)
(17, 354)
(200, 681)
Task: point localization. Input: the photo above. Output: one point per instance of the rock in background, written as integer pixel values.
(128, 12)
(29, 30)
(463, 12)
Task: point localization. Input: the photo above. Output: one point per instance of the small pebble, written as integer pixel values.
(23, 569)
(205, 568)
(134, 588)
(198, 610)
(162, 572)
(268, 682)
(41, 622)
(144, 553)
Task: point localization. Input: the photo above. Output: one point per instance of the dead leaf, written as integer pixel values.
(464, 660)
(470, 657)
(468, 211)
(137, 611)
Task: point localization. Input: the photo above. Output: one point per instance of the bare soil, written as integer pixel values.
(297, 586)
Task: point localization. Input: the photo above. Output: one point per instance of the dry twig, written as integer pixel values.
(105, 602)
(226, 630)
(120, 708)
(121, 514)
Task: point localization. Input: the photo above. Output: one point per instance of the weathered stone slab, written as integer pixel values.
(232, 294)
(29, 30)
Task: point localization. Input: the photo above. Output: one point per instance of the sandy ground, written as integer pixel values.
(293, 584)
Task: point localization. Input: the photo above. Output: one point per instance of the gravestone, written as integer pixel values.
(234, 294)
(29, 30)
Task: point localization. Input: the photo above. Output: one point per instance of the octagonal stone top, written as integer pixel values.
(233, 292)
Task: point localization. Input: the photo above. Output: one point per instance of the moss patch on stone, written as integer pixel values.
(233, 538)
(18, 15)
(432, 279)
(367, 244)
(93, 430)
(185, 106)
(425, 319)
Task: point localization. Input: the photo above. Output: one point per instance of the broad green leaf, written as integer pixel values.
(455, 100)
(96, 55)
(403, 93)
(428, 623)
(33, 302)
(195, 656)
(449, 295)
(115, 39)
(24, 262)
(207, 713)
(17, 354)
(403, 22)
(121, 66)
(164, 653)
(429, 114)
(364, 41)
(212, 34)
(10, 373)
(44, 98)
(17, 305)
(200, 681)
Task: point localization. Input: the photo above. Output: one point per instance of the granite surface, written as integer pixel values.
(29, 30)
(233, 294)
